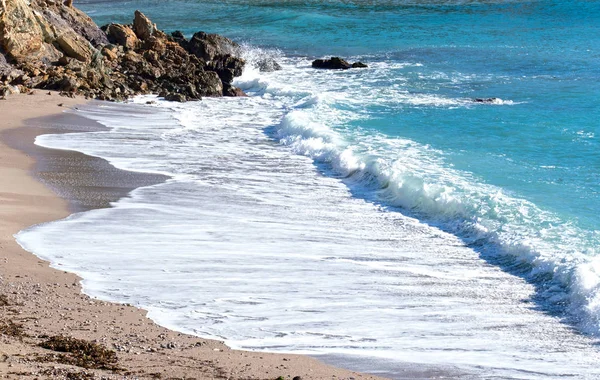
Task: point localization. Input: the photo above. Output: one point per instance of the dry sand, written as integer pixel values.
(38, 302)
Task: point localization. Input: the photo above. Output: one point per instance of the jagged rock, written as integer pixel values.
(69, 3)
(229, 90)
(268, 65)
(142, 26)
(110, 52)
(209, 84)
(333, 64)
(76, 47)
(211, 46)
(140, 60)
(21, 33)
(155, 44)
(122, 35)
(359, 65)
(227, 67)
(82, 25)
(178, 37)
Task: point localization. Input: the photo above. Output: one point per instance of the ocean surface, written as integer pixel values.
(380, 216)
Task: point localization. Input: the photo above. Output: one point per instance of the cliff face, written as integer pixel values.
(49, 45)
(39, 31)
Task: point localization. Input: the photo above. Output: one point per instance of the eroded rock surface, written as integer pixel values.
(50, 45)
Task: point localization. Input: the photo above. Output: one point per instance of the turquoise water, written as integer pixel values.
(543, 55)
(456, 232)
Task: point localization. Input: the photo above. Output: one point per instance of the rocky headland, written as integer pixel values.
(48, 44)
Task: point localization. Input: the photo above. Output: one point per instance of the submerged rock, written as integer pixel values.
(488, 100)
(336, 63)
(359, 65)
(176, 98)
(267, 65)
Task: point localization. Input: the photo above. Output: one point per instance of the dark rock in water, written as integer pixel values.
(229, 90)
(268, 65)
(209, 84)
(176, 98)
(227, 67)
(211, 46)
(334, 63)
(487, 100)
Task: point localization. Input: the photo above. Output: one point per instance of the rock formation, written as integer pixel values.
(336, 63)
(49, 45)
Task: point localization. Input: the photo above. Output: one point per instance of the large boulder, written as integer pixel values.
(227, 67)
(334, 63)
(142, 26)
(122, 35)
(21, 34)
(211, 46)
(56, 29)
(81, 24)
(268, 65)
(209, 84)
(76, 47)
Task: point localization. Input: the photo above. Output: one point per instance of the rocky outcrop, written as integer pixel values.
(210, 47)
(46, 44)
(79, 22)
(219, 53)
(122, 35)
(336, 63)
(268, 65)
(22, 33)
(142, 26)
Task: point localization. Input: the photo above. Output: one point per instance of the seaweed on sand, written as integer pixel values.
(11, 328)
(80, 353)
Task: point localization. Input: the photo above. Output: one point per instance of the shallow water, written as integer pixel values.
(376, 212)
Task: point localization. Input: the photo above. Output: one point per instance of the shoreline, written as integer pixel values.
(48, 302)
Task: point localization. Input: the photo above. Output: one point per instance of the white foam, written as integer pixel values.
(252, 243)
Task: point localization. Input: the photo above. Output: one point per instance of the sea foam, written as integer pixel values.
(287, 221)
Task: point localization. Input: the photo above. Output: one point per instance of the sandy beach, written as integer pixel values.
(38, 303)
